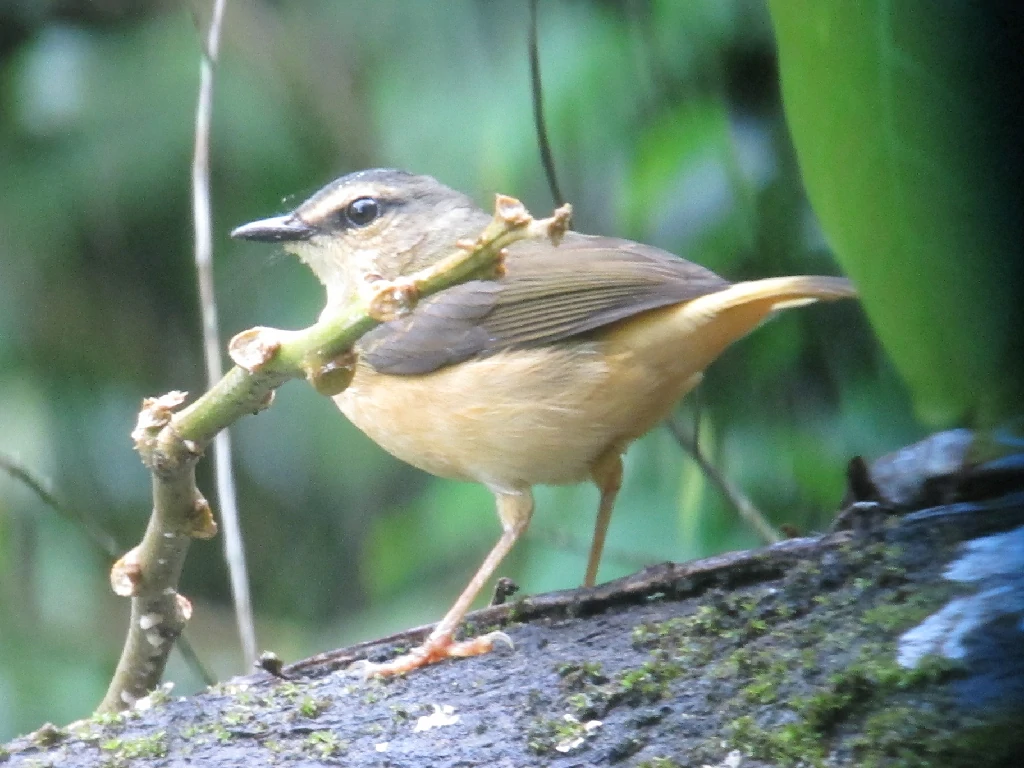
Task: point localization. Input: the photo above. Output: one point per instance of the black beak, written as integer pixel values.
(279, 229)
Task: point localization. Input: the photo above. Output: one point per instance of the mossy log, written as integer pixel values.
(895, 642)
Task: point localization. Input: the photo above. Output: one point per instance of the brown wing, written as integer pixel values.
(547, 295)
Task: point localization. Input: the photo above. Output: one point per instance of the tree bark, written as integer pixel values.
(895, 643)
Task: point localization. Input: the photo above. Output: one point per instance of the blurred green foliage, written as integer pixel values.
(904, 120)
(667, 126)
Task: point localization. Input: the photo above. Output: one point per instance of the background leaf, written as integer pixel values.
(899, 116)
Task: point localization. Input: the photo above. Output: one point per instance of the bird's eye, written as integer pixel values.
(362, 211)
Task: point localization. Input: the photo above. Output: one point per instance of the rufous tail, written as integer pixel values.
(764, 297)
(795, 291)
(689, 336)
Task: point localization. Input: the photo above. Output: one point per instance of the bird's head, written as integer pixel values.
(378, 222)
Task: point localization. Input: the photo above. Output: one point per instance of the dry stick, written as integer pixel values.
(750, 513)
(234, 551)
(170, 443)
(537, 92)
(102, 540)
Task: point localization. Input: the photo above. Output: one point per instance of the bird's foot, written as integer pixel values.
(435, 649)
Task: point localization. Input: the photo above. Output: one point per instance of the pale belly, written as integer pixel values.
(519, 418)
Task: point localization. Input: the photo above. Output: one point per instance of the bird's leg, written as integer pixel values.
(607, 475)
(514, 510)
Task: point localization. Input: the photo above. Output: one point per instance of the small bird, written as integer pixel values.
(544, 375)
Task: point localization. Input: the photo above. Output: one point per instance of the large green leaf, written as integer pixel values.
(894, 109)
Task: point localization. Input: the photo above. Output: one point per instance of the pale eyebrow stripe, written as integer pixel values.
(321, 209)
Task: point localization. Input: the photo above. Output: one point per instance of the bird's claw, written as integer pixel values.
(432, 651)
(499, 637)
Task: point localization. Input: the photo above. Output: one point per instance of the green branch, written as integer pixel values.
(170, 443)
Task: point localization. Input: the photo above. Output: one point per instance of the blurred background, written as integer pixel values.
(667, 126)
